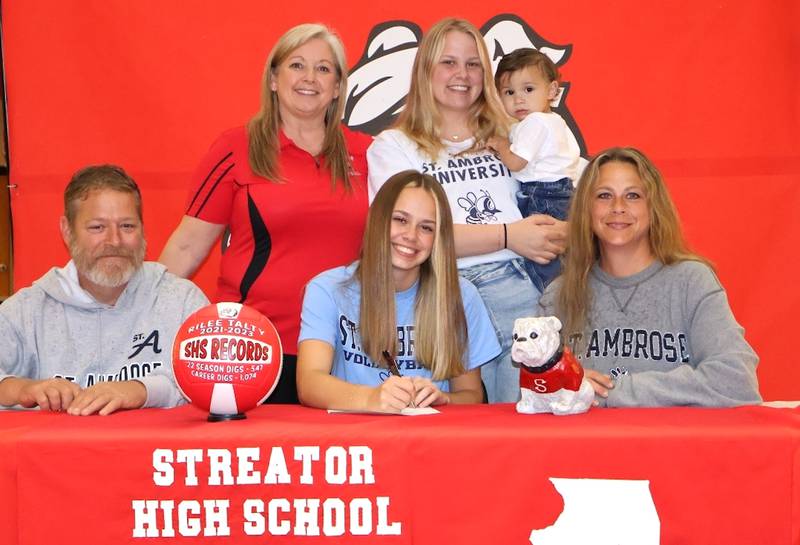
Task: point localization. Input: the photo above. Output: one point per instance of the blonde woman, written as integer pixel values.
(452, 110)
(649, 319)
(404, 302)
(291, 186)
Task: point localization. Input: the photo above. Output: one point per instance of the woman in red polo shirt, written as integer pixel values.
(291, 187)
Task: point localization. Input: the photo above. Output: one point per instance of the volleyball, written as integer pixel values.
(227, 359)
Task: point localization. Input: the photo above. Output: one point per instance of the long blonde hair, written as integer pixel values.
(263, 128)
(420, 119)
(440, 327)
(665, 236)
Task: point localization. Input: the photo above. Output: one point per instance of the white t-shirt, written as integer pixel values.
(545, 141)
(479, 187)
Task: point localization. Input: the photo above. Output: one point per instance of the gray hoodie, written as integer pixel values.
(666, 336)
(56, 329)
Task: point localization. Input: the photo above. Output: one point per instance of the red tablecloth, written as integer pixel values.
(473, 474)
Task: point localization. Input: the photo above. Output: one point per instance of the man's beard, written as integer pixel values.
(104, 272)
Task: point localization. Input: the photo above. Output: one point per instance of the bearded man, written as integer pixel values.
(96, 335)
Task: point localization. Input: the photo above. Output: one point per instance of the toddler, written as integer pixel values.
(541, 151)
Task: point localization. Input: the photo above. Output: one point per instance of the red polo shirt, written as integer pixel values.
(282, 233)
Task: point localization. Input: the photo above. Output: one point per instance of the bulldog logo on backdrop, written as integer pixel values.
(379, 81)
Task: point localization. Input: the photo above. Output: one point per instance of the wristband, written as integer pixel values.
(505, 236)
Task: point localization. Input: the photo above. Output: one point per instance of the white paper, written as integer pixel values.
(408, 411)
(782, 404)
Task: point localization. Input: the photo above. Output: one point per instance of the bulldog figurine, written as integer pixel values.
(551, 379)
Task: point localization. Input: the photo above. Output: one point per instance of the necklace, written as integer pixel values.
(457, 138)
(623, 307)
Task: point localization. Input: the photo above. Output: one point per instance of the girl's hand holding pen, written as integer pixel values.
(394, 395)
(391, 363)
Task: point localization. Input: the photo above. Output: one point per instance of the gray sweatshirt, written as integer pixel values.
(666, 336)
(56, 329)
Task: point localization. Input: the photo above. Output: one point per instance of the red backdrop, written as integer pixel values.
(709, 89)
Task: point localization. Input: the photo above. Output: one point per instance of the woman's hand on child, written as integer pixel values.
(561, 226)
(428, 393)
(394, 395)
(540, 238)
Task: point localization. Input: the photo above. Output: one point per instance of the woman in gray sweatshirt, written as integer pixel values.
(648, 319)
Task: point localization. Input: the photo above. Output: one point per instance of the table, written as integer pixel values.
(472, 474)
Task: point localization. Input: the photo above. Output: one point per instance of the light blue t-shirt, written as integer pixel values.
(331, 314)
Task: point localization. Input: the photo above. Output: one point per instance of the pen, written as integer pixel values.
(393, 369)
